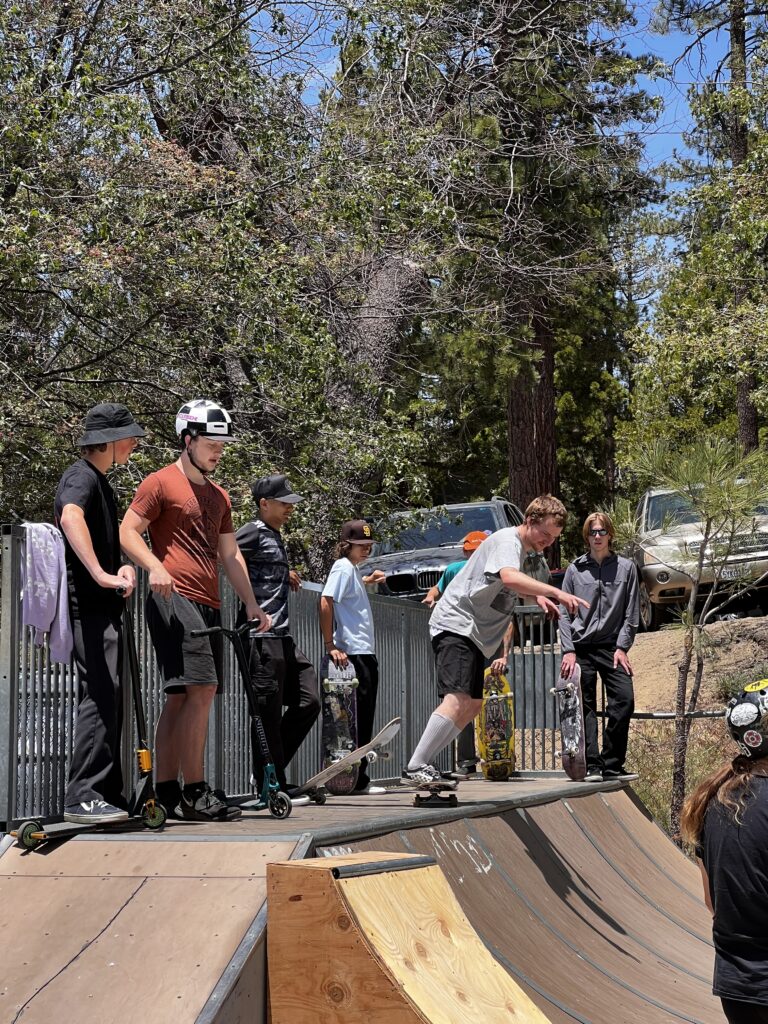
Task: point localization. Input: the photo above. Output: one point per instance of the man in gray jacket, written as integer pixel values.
(598, 639)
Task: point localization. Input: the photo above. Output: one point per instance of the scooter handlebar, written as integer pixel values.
(212, 630)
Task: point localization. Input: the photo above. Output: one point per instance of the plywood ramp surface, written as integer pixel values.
(92, 930)
(388, 946)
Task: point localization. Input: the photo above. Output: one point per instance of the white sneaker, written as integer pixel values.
(94, 812)
(370, 790)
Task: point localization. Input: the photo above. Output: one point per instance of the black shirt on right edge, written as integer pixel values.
(83, 485)
(735, 856)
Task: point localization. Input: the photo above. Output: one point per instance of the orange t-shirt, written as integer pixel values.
(185, 522)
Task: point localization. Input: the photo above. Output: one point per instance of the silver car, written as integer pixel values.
(667, 548)
(415, 547)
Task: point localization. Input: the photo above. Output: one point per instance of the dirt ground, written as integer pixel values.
(735, 649)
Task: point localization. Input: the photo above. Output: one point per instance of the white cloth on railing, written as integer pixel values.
(45, 601)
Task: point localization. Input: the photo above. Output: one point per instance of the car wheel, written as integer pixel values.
(651, 615)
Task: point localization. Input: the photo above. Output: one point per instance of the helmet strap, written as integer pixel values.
(188, 448)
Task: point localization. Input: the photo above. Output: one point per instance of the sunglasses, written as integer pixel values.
(598, 533)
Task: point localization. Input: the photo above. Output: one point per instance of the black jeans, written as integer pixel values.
(282, 673)
(95, 772)
(595, 660)
(367, 671)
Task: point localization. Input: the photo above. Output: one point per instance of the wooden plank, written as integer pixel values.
(153, 952)
(432, 951)
(388, 948)
(159, 858)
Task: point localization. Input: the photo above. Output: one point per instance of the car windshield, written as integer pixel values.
(430, 529)
(665, 510)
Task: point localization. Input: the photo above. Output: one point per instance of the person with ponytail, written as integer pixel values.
(726, 820)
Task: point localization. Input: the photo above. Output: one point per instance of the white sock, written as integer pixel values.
(440, 731)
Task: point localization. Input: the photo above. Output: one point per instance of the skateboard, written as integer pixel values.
(570, 707)
(428, 795)
(338, 690)
(315, 788)
(495, 728)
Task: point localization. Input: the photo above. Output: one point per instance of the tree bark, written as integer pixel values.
(739, 142)
(531, 445)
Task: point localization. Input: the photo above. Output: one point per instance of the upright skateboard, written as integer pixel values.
(315, 788)
(143, 808)
(495, 728)
(338, 693)
(570, 708)
(271, 796)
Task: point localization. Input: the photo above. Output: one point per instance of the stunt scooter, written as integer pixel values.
(143, 806)
(271, 796)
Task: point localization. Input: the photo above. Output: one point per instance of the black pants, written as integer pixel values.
(367, 672)
(595, 660)
(284, 676)
(95, 772)
(744, 1013)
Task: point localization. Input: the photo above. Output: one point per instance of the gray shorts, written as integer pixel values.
(185, 660)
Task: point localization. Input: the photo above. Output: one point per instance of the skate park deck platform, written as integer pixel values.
(570, 887)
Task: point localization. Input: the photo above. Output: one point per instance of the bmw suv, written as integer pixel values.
(415, 547)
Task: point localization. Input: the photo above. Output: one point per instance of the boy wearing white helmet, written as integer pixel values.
(189, 521)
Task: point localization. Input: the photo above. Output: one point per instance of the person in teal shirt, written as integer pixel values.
(471, 543)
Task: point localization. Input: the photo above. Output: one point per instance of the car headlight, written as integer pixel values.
(667, 554)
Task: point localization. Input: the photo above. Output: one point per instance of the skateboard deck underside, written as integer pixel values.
(571, 711)
(339, 731)
(495, 729)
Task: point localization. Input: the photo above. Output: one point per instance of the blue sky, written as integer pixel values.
(665, 136)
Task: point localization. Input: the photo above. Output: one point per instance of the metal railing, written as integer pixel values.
(38, 698)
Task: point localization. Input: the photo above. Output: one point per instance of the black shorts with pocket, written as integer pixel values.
(185, 660)
(460, 665)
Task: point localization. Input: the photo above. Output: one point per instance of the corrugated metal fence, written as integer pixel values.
(38, 698)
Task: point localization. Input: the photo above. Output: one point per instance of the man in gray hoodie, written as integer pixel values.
(598, 639)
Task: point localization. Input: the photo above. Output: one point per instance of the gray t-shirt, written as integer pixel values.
(476, 604)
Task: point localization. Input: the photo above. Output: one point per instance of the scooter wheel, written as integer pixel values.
(154, 818)
(280, 805)
(25, 834)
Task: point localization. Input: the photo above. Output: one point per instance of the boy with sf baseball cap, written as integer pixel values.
(346, 623)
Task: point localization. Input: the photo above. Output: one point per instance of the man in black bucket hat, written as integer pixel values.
(98, 585)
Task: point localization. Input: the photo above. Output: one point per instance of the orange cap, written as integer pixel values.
(473, 540)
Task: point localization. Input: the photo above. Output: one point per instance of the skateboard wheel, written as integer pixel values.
(319, 798)
(372, 756)
(280, 805)
(25, 834)
(453, 800)
(154, 818)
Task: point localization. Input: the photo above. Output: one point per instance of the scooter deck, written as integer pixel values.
(32, 833)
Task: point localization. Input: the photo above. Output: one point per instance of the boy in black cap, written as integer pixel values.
(86, 513)
(281, 673)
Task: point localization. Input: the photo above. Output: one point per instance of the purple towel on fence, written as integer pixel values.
(45, 602)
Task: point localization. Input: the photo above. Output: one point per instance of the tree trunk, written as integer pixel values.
(738, 144)
(531, 446)
(681, 739)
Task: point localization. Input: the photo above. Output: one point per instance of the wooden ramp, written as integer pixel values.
(585, 902)
(388, 944)
(134, 929)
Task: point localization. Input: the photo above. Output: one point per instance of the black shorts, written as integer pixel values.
(460, 665)
(185, 660)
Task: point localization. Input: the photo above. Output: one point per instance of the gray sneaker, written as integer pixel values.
(94, 812)
(426, 775)
(206, 806)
